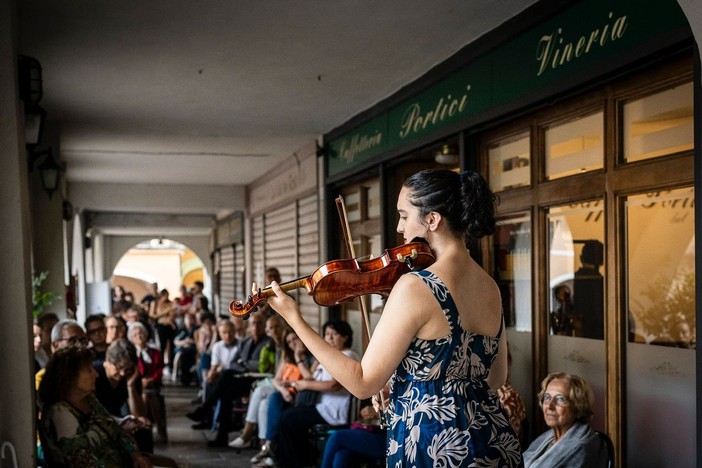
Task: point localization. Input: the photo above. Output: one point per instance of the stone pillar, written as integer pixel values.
(17, 415)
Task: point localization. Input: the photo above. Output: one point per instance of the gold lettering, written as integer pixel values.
(410, 115)
(555, 50)
(358, 144)
(543, 51)
(593, 38)
(413, 121)
(579, 47)
(619, 27)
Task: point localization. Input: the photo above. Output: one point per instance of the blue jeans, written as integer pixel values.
(347, 448)
(276, 406)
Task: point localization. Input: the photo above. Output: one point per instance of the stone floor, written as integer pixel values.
(188, 447)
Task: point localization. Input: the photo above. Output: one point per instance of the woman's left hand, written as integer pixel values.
(283, 304)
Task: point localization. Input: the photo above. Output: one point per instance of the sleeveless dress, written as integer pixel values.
(442, 412)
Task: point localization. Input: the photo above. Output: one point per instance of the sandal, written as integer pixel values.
(265, 452)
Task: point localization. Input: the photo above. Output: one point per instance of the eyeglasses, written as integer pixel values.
(96, 330)
(74, 340)
(558, 400)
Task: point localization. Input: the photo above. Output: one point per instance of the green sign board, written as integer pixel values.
(584, 35)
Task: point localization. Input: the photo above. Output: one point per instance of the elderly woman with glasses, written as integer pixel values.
(567, 403)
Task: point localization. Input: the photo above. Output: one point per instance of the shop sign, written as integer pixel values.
(561, 50)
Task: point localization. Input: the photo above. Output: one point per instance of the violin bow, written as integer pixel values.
(346, 229)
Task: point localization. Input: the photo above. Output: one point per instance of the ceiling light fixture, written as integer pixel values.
(446, 156)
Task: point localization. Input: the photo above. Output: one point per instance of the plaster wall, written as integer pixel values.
(17, 430)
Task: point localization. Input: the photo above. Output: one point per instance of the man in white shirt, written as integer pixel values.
(224, 356)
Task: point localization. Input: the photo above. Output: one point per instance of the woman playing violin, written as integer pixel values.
(440, 338)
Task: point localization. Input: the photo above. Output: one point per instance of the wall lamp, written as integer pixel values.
(31, 91)
(49, 170)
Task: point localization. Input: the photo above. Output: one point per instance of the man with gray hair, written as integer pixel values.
(66, 332)
(118, 389)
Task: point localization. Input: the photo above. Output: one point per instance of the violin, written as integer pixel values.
(344, 280)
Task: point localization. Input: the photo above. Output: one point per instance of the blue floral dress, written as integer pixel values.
(442, 412)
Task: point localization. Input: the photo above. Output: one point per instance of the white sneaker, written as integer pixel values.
(238, 443)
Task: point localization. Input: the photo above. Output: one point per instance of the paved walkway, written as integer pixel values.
(188, 447)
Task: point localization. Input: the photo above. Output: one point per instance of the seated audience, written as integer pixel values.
(40, 355)
(512, 402)
(223, 356)
(46, 322)
(364, 442)
(567, 404)
(185, 350)
(118, 389)
(287, 371)
(96, 331)
(150, 366)
(233, 383)
(206, 336)
(289, 425)
(116, 328)
(65, 333)
(76, 430)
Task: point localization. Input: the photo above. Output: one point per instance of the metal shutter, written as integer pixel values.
(227, 275)
(308, 254)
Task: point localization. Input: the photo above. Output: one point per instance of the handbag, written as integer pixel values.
(306, 398)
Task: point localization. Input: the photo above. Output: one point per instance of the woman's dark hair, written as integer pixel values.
(342, 327)
(62, 372)
(464, 200)
(288, 352)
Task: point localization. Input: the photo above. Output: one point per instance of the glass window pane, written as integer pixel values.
(353, 206)
(660, 247)
(661, 273)
(574, 147)
(373, 195)
(512, 251)
(510, 162)
(658, 125)
(576, 282)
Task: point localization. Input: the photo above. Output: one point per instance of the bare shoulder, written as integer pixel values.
(410, 297)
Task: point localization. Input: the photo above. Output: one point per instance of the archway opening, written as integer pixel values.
(167, 263)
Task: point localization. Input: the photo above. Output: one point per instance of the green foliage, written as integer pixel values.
(671, 302)
(41, 299)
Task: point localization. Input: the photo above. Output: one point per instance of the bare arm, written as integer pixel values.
(498, 372)
(134, 401)
(400, 322)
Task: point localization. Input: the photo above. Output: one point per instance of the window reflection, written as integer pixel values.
(661, 274)
(659, 124)
(509, 163)
(512, 263)
(576, 256)
(575, 147)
